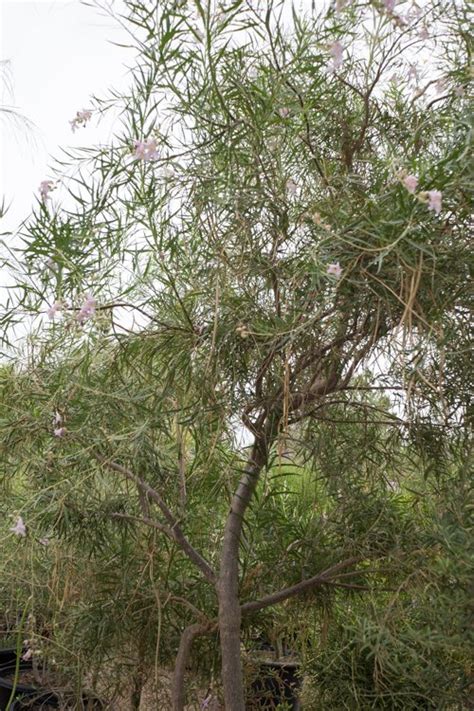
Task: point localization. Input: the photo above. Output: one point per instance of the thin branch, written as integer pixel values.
(173, 531)
(324, 578)
(145, 521)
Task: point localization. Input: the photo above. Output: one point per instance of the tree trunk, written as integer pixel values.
(178, 692)
(228, 584)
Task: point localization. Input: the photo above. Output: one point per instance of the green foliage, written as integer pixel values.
(216, 314)
(410, 648)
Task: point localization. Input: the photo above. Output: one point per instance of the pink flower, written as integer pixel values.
(410, 182)
(284, 112)
(291, 186)
(389, 5)
(334, 270)
(45, 187)
(82, 117)
(87, 309)
(146, 150)
(413, 73)
(19, 529)
(27, 655)
(53, 310)
(60, 431)
(43, 541)
(335, 50)
(434, 197)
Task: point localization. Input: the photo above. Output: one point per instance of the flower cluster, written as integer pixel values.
(81, 119)
(336, 51)
(334, 269)
(58, 424)
(19, 528)
(53, 309)
(389, 5)
(411, 183)
(145, 150)
(291, 186)
(29, 652)
(45, 187)
(32, 649)
(87, 309)
(432, 197)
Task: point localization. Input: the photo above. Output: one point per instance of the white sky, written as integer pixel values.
(60, 53)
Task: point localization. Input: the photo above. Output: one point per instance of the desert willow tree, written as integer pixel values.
(284, 201)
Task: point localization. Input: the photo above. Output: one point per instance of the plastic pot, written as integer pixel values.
(277, 683)
(26, 695)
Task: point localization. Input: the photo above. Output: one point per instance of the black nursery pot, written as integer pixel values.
(8, 658)
(276, 683)
(27, 696)
(32, 696)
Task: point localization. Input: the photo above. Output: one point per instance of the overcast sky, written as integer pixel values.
(60, 52)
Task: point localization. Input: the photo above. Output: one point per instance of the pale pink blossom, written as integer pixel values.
(44, 541)
(434, 197)
(336, 51)
(284, 112)
(334, 269)
(389, 5)
(87, 309)
(81, 119)
(53, 309)
(413, 74)
(60, 431)
(146, 150)
(459, 91)
(423, 34)
(19, 529)
(291, 186)
(57, 419)
(45, 187)
(27, 655)
(410, 182)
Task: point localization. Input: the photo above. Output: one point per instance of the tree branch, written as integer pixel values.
(173, 531)
(327, 577)
(178, 692)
